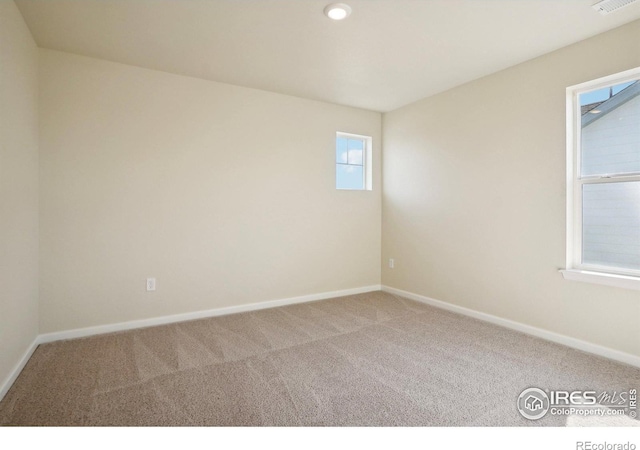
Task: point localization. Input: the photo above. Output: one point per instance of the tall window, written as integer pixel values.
(603, 233)
(353, 162)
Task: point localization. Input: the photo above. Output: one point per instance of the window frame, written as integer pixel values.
(575, 269)
(367, 160)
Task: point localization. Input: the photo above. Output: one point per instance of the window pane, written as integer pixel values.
(610, 141)
(600, 95)
(611, 224)
(589, 98)
(349, 177)
(341, 150)
(355, 157)
(356, 144)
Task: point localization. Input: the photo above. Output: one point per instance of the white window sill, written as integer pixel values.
(608, 279)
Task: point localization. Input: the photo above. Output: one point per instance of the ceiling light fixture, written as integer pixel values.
(595, 111)
(337, 11)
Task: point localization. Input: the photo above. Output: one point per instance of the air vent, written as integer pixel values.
(607, 6)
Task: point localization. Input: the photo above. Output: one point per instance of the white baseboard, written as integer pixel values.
(517, 326)
(123, 326)
(578, 344)
(11, 378)
(143, 323)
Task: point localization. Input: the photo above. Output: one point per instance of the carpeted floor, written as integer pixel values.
(369, 359)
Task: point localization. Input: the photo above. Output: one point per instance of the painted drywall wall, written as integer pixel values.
(18, 189)
(226, 195)
(474, 196)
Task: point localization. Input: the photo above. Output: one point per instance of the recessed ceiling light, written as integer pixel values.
(337, 11)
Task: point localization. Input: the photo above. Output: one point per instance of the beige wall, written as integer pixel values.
(225, 194)
(18, 188)
(474, 196)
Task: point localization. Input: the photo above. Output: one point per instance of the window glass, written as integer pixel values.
(610, 130)
(341, 150)
(349, 177)
(611, 224)
(352, 169)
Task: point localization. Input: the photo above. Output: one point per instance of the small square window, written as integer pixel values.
(353, 162)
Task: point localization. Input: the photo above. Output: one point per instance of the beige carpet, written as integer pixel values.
(369, 359)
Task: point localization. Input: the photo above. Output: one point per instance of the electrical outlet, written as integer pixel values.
(151, 284)
(392, 263)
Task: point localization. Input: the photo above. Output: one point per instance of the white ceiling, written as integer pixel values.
(386, 54)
